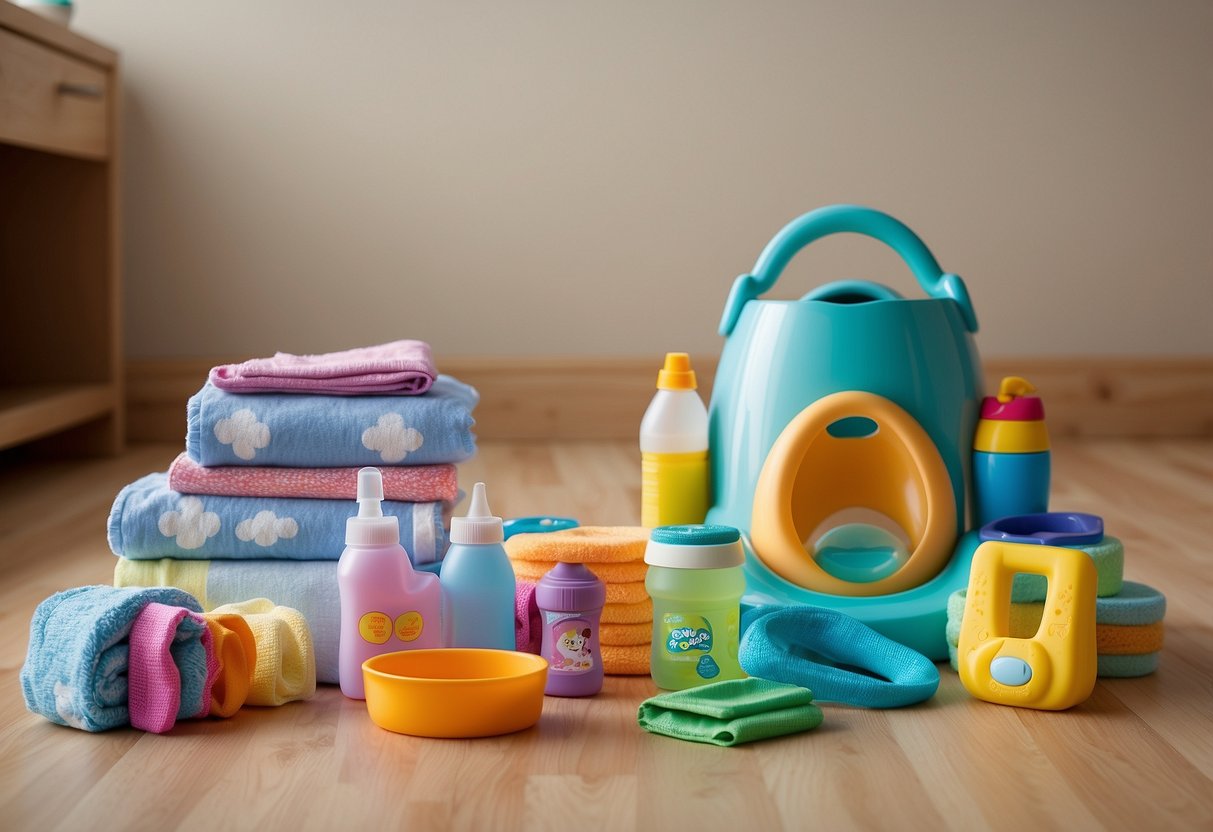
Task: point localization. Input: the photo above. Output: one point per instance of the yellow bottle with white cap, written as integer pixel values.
(674, 449)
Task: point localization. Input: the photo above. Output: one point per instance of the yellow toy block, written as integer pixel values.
(1055, 668)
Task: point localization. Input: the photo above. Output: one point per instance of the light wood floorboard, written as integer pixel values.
(1138, 754)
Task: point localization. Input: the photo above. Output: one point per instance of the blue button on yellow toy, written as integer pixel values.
(1055, 668)
(1010, 671)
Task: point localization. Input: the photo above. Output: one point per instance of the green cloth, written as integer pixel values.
(731, 712)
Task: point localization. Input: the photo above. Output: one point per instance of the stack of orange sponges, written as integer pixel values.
(616, 555)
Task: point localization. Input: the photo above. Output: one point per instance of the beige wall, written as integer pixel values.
(530, 178)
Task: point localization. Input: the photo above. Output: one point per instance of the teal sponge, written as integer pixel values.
(1126, 667)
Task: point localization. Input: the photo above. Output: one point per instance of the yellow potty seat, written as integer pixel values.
(812, 474)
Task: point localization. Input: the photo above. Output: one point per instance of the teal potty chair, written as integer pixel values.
(840, 430)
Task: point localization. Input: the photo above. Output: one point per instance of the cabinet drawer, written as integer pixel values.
(50, 101)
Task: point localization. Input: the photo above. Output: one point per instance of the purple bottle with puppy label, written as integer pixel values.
(570, 599)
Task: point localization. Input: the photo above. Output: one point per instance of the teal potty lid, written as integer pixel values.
(698, 534)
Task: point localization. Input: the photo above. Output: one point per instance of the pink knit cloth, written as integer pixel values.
(528, 626)
(406, 483)
(153, 676)
(402, 367)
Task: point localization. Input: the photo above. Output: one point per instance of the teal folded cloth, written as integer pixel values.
(75, 670)
(732, 712)
(838, 657)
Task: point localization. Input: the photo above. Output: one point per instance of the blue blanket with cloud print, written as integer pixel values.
(150, 521)
(304, 431)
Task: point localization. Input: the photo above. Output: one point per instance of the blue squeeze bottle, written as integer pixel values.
(478, 581)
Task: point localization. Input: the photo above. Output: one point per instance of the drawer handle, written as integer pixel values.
(80, 90)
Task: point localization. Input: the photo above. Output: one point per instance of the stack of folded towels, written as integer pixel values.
(1128, 615)
(616, 555)
(257, 504)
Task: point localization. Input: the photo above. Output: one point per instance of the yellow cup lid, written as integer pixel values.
(677, 373)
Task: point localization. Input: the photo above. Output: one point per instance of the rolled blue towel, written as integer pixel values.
(303, 431)
(150, 521)
(75, 670)
(838, 657)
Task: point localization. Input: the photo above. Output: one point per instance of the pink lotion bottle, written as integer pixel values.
(385, 604)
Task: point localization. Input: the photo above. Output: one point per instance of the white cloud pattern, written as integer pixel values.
(265, 528)
(391, 438)
(64, 694)
(243, 432)
(190, 524)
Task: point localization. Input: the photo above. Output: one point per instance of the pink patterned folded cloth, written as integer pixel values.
(401, 367)
(405, 483)
(528, 625)
(172, 667)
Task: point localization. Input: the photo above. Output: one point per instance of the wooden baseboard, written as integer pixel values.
(604, 398)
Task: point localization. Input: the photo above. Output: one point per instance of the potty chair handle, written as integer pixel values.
(838, 219)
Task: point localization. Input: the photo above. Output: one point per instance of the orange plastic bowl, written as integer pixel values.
(455, 692)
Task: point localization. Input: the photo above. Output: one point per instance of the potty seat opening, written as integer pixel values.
(854, 511)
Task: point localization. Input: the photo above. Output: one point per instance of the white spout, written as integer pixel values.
(480, 502)
(370, 492)
(479, 525)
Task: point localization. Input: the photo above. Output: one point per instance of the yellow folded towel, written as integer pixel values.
(625, 661)
(625, 635)
(286, 661)
(632, 593)
(640, 613)
(236, 652)
(609, 573)
(189, 575)
(585, 544)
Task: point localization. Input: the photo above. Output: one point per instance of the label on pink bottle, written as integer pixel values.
(378, 627)
(571, 636)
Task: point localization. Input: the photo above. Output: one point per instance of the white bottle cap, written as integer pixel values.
(370, 527)
(479, 526)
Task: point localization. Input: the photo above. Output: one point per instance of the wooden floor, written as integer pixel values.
(1137, 755)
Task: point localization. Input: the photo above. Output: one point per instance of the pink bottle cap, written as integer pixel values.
(1013, 404)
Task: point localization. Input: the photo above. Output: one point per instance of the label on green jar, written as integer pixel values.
(686, 635)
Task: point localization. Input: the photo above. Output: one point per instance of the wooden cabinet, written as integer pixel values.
(60, 257)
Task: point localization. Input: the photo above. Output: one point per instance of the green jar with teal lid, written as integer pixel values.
(696, 581)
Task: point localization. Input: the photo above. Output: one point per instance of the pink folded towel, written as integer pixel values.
(405, 483)
(167, 643)
(401, 367)
(528, 626)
